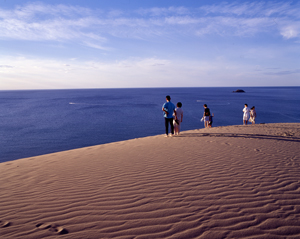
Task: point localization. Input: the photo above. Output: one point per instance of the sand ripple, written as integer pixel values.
(227, 182)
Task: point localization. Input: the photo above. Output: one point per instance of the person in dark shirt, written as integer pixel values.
(206, 115)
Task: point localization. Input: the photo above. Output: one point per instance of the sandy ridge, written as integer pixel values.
(223, 182)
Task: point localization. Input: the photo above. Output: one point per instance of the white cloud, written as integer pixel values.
(258, 9)
(185, 20)
(290, 31)
(38, 22)
(156, 11)
(32, 10)
(96, 46)
(230, 26)
(252, 17)
(169, 37)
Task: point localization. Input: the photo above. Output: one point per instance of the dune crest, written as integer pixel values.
(223, 182)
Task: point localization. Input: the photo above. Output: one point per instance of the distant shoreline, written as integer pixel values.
(189, 87)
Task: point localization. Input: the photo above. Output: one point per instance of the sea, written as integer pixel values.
(36, 122)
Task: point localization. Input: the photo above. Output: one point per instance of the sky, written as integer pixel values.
(70, 44)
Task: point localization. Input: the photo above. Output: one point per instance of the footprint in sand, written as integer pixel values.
(5, 223)
(52, 227)
(227, 144)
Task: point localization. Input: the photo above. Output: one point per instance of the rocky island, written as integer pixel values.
(238, 91)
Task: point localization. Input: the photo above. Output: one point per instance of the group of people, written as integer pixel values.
(249, 115)
(174, 115)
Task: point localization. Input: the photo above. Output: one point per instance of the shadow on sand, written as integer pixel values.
(245, 136)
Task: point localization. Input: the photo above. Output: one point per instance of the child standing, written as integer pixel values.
(178, 118)
(210, 120)
(252, 115)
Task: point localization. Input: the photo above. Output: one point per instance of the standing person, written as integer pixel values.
(252, 115)
(206, 115)
(168, 109)
(246, 115)
(210, 120)
(178, 118)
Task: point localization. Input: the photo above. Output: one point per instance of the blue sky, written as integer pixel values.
(141, 43)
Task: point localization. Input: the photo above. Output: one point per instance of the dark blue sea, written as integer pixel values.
(44, 121)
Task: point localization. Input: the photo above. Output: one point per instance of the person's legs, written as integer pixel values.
(167, 125)
(210, 122)
(172, 126)
(175, 128)
(206, 121)
(178, 128)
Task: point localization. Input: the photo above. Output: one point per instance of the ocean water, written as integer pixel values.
(44, 121)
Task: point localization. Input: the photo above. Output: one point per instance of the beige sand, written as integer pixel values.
(225, 182)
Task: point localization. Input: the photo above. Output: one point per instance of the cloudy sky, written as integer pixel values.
(69, 44)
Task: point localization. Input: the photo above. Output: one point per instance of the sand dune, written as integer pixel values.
(224, 182)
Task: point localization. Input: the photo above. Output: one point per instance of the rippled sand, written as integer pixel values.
(225, 182)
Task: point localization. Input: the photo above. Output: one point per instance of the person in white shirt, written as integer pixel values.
(178, 115)
(246, 114)
(252, 115)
